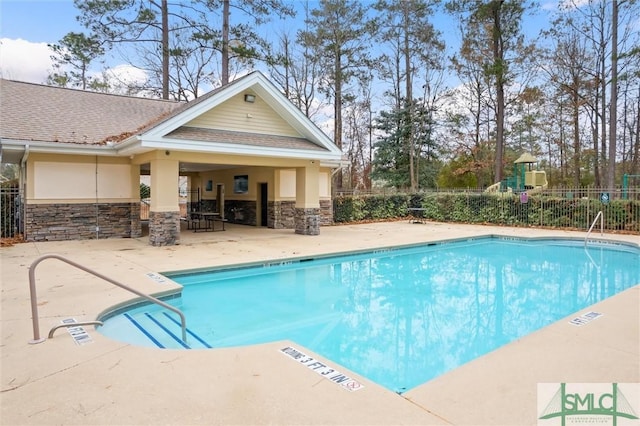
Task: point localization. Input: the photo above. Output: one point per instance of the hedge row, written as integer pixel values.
(501, 209)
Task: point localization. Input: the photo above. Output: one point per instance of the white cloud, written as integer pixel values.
(23, 60)
(557, 5)
(127, 75)
(572, 4)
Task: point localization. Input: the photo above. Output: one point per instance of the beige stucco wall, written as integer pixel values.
(287, 184)
(256, 175)
(281, 182)
(237, 115)
(225, 160)
(79, 179)
(324, 182)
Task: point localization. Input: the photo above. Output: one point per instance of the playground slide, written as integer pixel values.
(496, 188)
(493, 188)
(537, 189)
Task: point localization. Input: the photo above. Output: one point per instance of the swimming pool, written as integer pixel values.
(399, 317)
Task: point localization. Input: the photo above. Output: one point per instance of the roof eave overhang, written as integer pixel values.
(15, 148)
(237, 149)
(17, 145)
(131, 146)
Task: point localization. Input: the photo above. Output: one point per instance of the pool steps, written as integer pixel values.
(160, 329)
(34, 298)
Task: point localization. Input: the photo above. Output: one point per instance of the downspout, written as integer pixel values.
(23, 191)
(333, 173)
(97, 206)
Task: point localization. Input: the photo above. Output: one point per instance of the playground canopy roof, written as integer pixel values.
(526, 158)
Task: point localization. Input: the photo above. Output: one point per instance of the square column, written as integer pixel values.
(136, 224)
(164, 212)
(307, 210)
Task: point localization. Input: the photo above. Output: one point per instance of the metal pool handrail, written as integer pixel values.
(71, 324)
(34, 297)
(598, 216)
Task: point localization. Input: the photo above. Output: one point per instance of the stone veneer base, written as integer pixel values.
(64, 222)
(164, 228)
(307, 221)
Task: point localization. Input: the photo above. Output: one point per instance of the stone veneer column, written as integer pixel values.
(307, 210)
(307, 221)
(282, 214)
(164, 228)
(164, 214)
(136, 224)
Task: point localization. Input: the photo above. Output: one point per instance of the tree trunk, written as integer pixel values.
(337, 112)
(225, 42)
(165, 50)
(498, 58)
(409, 107)
(635, 162)
(575, 104)
(603, 112)
(613, 104)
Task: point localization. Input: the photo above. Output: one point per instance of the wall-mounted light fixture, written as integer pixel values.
(249, 98)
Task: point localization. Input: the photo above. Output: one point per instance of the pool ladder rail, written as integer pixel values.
(34, 299)
(598, 216)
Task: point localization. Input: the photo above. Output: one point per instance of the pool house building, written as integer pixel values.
(246, 153)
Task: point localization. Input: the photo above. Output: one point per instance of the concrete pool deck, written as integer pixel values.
(109, 382)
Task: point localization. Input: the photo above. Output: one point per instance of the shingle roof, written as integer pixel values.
(242, 138)
(35, 112)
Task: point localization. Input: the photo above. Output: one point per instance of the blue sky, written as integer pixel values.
(26, 26)
(37, 21)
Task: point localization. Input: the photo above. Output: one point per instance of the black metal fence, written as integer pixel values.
(550, 208)
(10, 212)
(569, 208)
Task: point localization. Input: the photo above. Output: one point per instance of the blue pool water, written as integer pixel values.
(399, 317)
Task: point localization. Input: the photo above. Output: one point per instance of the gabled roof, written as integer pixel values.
(53, 119)
(33, 112)
(160, 134)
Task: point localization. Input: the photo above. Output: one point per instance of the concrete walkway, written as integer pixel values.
(109, 382)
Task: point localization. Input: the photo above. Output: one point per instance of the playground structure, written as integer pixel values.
(625, 184)
(526, 177)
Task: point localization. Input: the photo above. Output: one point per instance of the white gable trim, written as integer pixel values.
(237, 149)
(258, 83)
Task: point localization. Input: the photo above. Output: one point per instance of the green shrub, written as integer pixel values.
(145, 191)
(498, 209)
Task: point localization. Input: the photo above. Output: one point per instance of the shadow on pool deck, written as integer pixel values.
(109, 382)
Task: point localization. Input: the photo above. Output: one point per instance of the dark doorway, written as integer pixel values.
(263, 204)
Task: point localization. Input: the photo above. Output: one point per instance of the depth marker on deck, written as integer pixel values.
(322, 369)
(79, 334)
(585, 318)
(156, 277)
